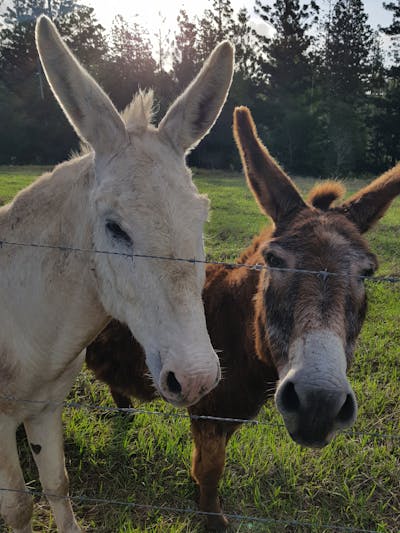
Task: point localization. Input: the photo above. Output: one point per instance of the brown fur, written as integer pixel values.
(279, 197)
(117, 359)
(323, 195)
(233, 299)
(367, 206)
(243, 304)
(118, 365)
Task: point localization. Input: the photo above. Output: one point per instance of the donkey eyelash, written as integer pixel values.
(118, 233)
(274, 261)
(367, 273)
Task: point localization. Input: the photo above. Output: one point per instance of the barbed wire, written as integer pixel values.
(169, 414)
(131, 410)
(178, 510)
(257, 266)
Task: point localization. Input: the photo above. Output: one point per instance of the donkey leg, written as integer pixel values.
(45, 434)
(16, 504)
(121, 400)
(208, 461)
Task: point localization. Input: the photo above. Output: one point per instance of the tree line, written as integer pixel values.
(324, 96)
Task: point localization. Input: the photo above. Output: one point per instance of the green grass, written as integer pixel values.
(15, 178)
(354, 482)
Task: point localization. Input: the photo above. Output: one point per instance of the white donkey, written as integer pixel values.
(133, 194)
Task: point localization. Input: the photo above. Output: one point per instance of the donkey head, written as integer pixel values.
(309, 322)
(143, 203)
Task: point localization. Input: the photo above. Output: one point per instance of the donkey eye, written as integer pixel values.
(274, 261)
(367, 273)
(118, 233)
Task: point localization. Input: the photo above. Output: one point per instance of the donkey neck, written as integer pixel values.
(229, 295)
(52, 308)
(52, 202)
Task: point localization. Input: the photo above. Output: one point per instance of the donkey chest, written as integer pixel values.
(245, 387)
(27, 390)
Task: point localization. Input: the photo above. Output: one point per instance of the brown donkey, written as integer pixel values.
(278, 330)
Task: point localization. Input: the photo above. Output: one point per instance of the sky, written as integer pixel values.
(148, 12)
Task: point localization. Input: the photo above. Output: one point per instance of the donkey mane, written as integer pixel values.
(254, 316)
(53, 191)
(322, 196)
(138, 115)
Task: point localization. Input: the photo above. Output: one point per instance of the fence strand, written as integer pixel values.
(258, 267)
(178, 510)
(130, 410)
(175, 415)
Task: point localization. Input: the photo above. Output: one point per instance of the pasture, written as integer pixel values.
(145, 459)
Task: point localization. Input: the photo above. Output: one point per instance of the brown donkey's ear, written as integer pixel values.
(273, 189)
(367, 206)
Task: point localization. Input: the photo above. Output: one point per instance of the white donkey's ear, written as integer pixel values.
(85, 104)
(193, 114)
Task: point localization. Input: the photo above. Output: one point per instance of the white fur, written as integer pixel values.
(316, 361)
(55, 302)
(320, 354)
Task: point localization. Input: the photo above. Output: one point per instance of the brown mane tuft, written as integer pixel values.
(323, 195)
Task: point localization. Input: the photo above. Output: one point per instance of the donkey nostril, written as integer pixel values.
(173, 384)
(347, 410)
(289, 398)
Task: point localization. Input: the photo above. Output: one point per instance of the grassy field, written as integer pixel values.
(144, 459)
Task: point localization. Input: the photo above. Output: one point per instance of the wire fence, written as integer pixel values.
(179, 415)
(324, 274)
(195, 512)
(258, 266)
(247, 519)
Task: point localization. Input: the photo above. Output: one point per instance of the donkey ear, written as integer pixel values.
(85, 104)
(273, 189)
(193, 114)
(367, 206)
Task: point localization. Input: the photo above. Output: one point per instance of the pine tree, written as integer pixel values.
(185, 57)
(394, 30)
(219, 22)
(165, 85)
(286, 108)
(85, 36)
(394, 7)
(377, 71)
(386, 118)
(287, 55)
(45, 126)
(78, 26)
(347, 74)
(130, 64)
(163, 40)
(215, 25)
(247, 50)
(375, 108)
(348, 42)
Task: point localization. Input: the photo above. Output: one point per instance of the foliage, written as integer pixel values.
(38, 131)
(394, 29)
(318, 84)
(130, 64)
(215, 26)
(145, 459)
(286, 104)
(185, 54)
(348, 41)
